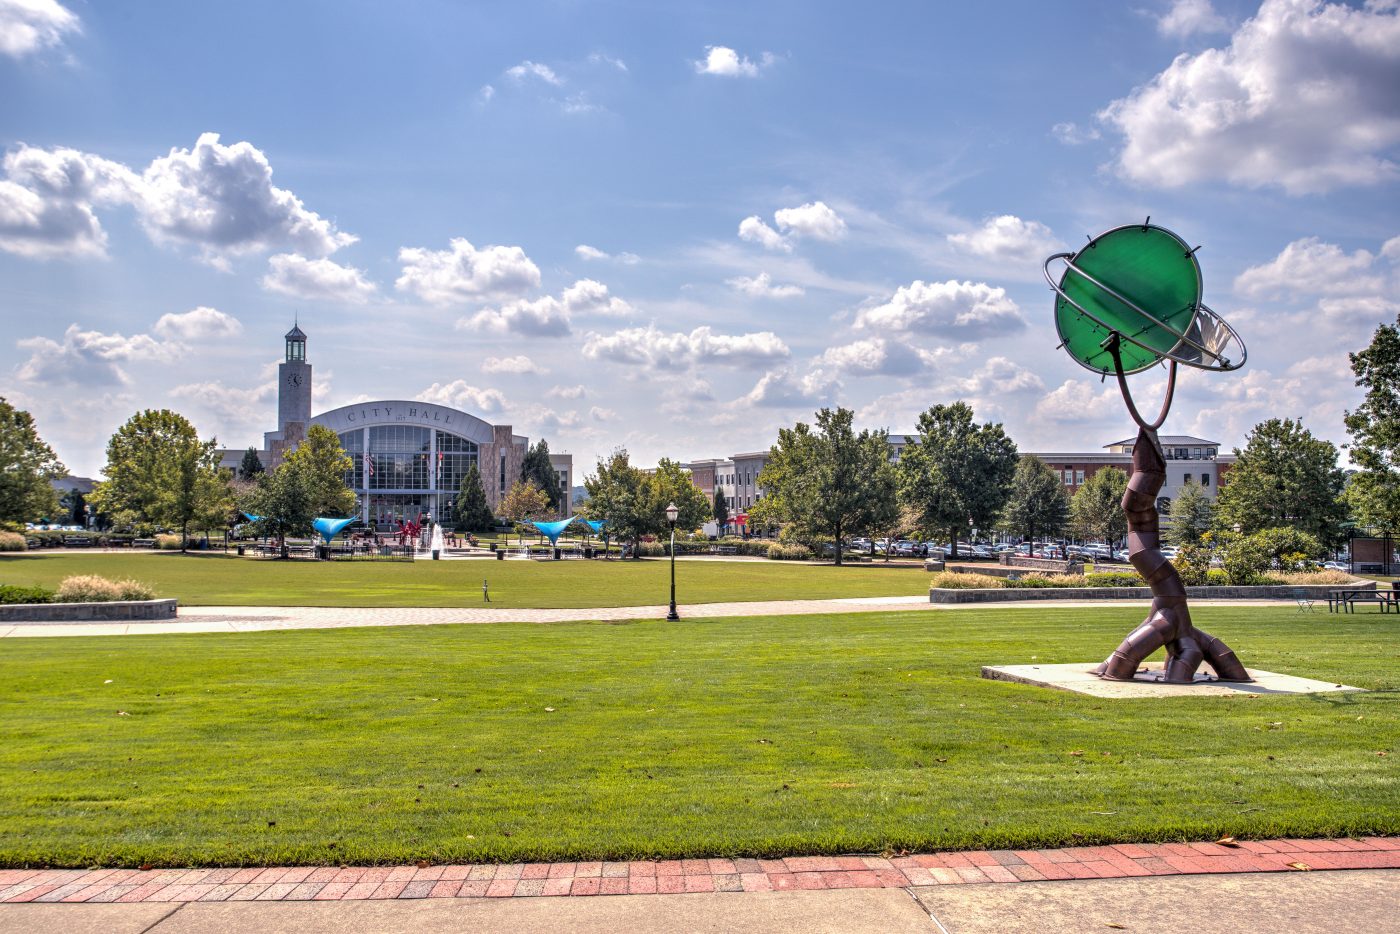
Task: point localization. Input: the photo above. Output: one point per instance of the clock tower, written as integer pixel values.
(293, 399)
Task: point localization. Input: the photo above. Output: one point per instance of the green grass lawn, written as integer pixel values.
(820, 734)
(217, 579)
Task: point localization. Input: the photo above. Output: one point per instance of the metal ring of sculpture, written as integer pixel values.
(1129, 300)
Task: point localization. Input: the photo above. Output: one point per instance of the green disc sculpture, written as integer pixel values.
(1126, 302)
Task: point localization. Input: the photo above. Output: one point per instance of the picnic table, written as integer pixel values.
(1339, 601)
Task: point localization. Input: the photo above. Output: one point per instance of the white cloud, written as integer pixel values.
(567, 392)
(1306, 97)
(538, 419)
(548, 316)
(47, 199)
(876, 356)
(591, 253)
(1312, 267)
(755, 230)
(761, 286)
(317, 280)
(458, 394)
(1008, 239)
(484, 95)
(27, 26)
(462, 273)
(235, 410)
(602, 58)
(1391, 249)
(1078, 402)
(88, 358)
(600, 414)
(953, 309)
(814, 219)
(998, 377)
(198, 324)
(783, 389)
(529, 69)
(724, 62)
(517, 364)
(674, 349)
(1191, 17)
(222, 198)
(1072, 134)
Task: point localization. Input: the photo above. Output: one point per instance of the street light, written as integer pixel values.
(671, 514)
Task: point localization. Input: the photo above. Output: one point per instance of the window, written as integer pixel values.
(455, 456)
(1196, 453)
(1186, 478)
(1068, 477)
(1210, 452)
(1079, 477)
(400, 457)
(1205, 479)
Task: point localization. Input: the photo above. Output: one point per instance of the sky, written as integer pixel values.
(675, 228)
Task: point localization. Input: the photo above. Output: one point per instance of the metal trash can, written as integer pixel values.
(240, 551)
(436, 554)
(558, 553)
(500, 555)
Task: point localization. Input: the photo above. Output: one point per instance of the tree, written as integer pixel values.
(524, 503)
(1374, 490)
(1284, 477)
(251, 466)
(818, 483)
(1037, 503)
(1096, 509)
(323, 463)
(1192, 515)
(471, 511)
(282, 501)
(27, 467)
(672, 483)
(720, 512)
(159, 473)
(956, 475)
(537, 469)
(618, 495)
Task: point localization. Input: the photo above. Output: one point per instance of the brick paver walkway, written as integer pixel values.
(678, 876)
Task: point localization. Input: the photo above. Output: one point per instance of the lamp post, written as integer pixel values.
(671, 513)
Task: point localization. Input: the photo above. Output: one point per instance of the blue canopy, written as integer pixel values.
(552, 530)
(597, 526)
(253, 518)
(329, 528)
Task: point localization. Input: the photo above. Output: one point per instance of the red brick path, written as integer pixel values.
(691, 875)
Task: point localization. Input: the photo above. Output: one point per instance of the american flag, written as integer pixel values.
(369, 464)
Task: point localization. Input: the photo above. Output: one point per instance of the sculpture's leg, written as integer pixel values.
(1221, 658)
(1154, 632)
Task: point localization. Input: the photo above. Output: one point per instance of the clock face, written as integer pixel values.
(294, 379)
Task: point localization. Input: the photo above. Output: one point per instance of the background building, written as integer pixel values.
(409, 457)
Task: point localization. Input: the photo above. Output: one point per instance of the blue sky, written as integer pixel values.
(674, 228)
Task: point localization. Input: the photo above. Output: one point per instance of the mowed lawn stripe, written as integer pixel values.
(733, 737)
(219, 580)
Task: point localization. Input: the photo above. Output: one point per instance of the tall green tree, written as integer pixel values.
(956, 475)
(818, 481)
(282, 500)
(323, 464)
(27, 468)
(471, 511)
(619, 495)
(537, 469)
(1096, 509)
(525, 503)
(251, 466)
(160, 474)
(672, 483)
(1038, 503)
(720, 510)
(1192, 515)
(1374, 490)
(1284, 478)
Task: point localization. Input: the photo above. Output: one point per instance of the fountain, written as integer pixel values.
(437, 547)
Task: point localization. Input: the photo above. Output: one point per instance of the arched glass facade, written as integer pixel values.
(403, 472)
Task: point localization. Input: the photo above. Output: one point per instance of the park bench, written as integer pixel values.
(1345, 600)
(76, 541)
(143, 543)
(724, 550)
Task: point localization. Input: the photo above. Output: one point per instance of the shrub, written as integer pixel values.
(1115, 579)
(1244, 558)
(135, 590)
(1192, 563)
(12, 594)
(1314, 577)
(12, 541)
(952, 580)
(88, 588)
(779, 552)
(167, 542)
(652, 550)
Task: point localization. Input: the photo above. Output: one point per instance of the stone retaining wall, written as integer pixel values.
(1316, 592)
(112, 612)
(1051, 565)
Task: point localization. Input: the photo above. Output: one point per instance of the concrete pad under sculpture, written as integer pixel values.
(1080, 678)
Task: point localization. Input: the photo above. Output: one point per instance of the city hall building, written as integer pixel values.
(409, 457)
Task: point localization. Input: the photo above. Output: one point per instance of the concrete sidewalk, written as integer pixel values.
(1301, 903)
(202, 619)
